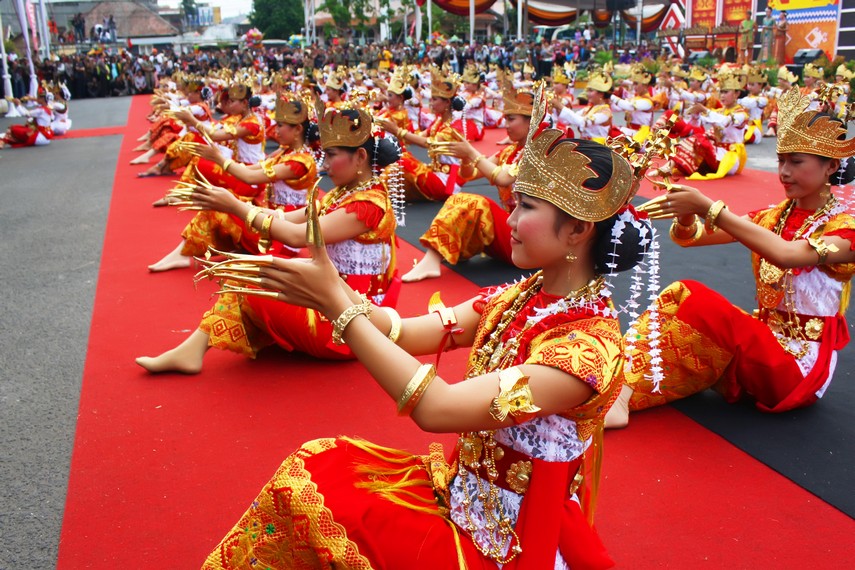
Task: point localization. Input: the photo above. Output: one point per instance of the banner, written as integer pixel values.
(22, 20)
(812, 24)
(31, 19)
(734, 11)
(703, 13)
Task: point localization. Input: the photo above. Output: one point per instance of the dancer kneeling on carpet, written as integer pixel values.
(541, 373)
(784, 355)
(288, 172)
(359, 224)
(469, 224)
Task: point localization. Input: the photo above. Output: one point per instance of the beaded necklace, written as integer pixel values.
(480, 448)
(776, 284)
(339, 192)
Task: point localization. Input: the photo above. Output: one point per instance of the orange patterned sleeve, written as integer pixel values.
(589, 349)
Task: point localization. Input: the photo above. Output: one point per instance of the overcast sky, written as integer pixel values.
(228, 8)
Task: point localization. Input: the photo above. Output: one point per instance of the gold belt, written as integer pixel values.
(810, 326)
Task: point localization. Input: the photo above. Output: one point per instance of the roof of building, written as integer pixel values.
(132, 19)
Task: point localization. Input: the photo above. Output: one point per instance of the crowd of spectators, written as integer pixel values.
(108, 72)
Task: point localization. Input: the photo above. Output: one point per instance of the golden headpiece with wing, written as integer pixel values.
(471, 74)
(336, 81)
(638, 74)
(600, 80)
(678, 71)
(516, 101)
(698, 74)
(338, 129)
(825, 137)
(814, 71)
(239, 92)
(398, 82)
(290, 110)
(443, 84)
(730, 81)
(563, 74)
(787, 75)
(843, 71)
(552, 170)
(755, 74)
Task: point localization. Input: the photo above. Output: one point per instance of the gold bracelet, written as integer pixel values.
(415, 389)
(494, 175)
(227, 163)
(687, 226)
(682, 241)
(514, 397)
(264, 242)
(402, 133)
(712, 215)
(363, 308)
(397, 323)
(250, 218)
(478, 159)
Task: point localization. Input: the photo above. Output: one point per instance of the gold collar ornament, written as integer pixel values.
(825, 137)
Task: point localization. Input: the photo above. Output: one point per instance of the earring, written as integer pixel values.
(571, 257)
(359, 172)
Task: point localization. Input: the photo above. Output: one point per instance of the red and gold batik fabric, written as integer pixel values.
(366, 262)
(469, 224)
(707, 342)
(345, 503)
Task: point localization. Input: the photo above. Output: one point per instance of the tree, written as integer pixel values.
(278, 18)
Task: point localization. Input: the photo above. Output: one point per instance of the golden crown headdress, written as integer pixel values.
(239, 92)
(194, 84)
(727, 81)
(516, 102)
(291, 111)
(825, 137)
(398, 81)
(787, 75)
(528, 68)
(698, 73)
(814, 71)
(638, 74)
(565, 75)
(755, 75)
(336, 81)
(600, 80)
(678, 71)
(843, 71)
(443, 84)
(552, 170)
(338, 129)
(471, 74)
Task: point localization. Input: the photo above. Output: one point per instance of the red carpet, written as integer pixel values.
(99, 132)
(162, 466)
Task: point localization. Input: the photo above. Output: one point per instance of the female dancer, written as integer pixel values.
(441, 178)
(784, 355)
(469, 224)
(359, 226)
(540, 375)
(288, 173)
(638, 108)
(594, 121)
(37, 131)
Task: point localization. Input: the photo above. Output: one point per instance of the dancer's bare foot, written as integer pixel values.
(143, 147)
(428, 268)
(771, 133)
(143, 138)
(172, 260)
(505, 140)
(185, 358)
(618, 414)
(159, 169)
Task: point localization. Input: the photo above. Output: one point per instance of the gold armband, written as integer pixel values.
(250, 218)
(227, 163)
(712, 215)
(683, 241)
(267, 168)
(402, 134)
(514, 397)
(264, 242)
(230, 129)
(495, 174)
(822, 248)
(395, 331)
(415, 389)
(363, 308)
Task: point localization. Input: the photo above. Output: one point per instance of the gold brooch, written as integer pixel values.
(470, 451)
(519, 476)
(813, 328)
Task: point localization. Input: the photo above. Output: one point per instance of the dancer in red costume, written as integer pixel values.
(783, 357)
(441, 178)
(37, 131)
(287, 173)
(359, 226)
(540, 375)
